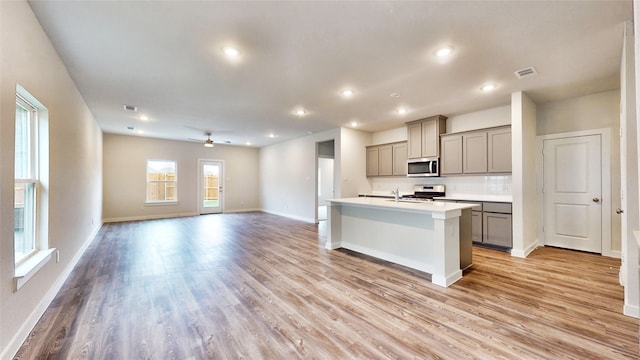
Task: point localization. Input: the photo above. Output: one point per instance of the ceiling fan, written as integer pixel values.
(209, 142)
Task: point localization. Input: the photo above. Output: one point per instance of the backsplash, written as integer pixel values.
(458, 185)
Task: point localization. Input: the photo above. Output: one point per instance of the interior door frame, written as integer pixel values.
(605, 142)
(200, 185)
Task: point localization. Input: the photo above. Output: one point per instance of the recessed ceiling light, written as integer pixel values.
(140, 132)
(402, 111)
(271, 135)
(354, 124)
(444, 52)
(231, 51)
(347, 93)
(488, 87)
(395, 94)
(248, 143)
(301, 112)
(144, 117)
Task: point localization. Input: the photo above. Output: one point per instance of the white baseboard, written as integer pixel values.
(18, 339)
(241, 210)
(148, 217)
(524, 253)
(290, 216)
(612, 253)
(632, 311)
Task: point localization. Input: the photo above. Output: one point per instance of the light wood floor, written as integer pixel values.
(259, 286)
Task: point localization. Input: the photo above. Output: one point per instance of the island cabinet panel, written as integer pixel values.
(423, 137)
(474, 153)
(476, 226)
(372, 161)
(387, 159)
(451, 160)
(499, 150)
(400, 159)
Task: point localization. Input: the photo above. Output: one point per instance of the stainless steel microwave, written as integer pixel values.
(423, 167)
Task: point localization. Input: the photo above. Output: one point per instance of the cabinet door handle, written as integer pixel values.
(619, 211)
(595, 200)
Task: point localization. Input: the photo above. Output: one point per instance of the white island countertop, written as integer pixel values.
(433, 207)
(427, 236)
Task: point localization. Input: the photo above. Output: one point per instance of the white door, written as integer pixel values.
(572, 193)
(210, 184)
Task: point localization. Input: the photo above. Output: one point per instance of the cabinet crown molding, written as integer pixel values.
(435, 117)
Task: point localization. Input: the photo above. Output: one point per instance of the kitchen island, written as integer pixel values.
(434, 237)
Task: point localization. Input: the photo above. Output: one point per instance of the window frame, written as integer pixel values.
(166, 201)
(31, 179)
(27, 266)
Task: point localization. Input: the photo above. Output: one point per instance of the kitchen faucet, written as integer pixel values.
(396, 193)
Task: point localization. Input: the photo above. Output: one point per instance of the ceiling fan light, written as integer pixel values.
(208, 143)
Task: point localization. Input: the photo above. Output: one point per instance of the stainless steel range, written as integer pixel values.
(425, 193)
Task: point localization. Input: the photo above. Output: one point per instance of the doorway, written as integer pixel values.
(576, 191)
(325, 177)
(210, 179)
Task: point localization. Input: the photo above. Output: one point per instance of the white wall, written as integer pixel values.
(594, 111)
(479, 119)
(523, 145)
(288, 184)
(125, 164)
(325, 167)
(75, 168)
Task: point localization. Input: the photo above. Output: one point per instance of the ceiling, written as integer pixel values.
(166, 58)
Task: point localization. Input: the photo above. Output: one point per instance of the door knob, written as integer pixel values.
(619, 211)
(595, 200)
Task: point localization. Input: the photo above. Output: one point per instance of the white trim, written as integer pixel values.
(221, 183)
(27, 326)
(290, 216)
(524, 253)
(242, 210)
(161, 203)
(148, 217)
(632, 311)
(605, 137)
(30, 266)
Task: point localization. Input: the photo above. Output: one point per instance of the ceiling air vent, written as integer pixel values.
(526, 72)
(130, 108)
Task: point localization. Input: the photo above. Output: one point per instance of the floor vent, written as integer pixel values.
(526, 72)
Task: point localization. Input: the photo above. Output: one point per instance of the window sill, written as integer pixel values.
(161, 203)
(31, 266)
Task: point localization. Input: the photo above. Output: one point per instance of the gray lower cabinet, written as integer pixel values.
(496, 224)
(491, 224)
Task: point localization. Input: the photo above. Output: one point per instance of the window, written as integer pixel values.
(162, 181)
(31, 179)
(26, 180)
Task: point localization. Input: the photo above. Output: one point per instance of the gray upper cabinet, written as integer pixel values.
(451, 160)
(387, 159)
(400, 159)
(476, 152)
(372, 161)
(423, 137)
(499, 150)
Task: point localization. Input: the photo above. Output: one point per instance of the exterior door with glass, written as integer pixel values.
(210, 178)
